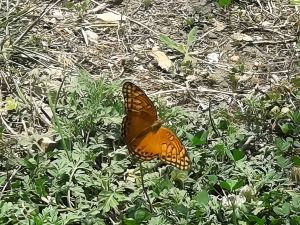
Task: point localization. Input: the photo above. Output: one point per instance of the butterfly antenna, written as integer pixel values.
(143, 186)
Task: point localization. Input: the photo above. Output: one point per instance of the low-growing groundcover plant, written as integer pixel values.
(245, 164)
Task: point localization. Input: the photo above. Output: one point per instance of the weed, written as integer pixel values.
(223, 3)
(181, 48)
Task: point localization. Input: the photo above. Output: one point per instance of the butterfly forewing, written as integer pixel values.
(136, 100)
(135, 126)
(141, 113)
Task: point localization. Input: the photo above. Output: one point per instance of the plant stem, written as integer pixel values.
(234, 213)
(66, 146)
(212, 121)
(144, 189)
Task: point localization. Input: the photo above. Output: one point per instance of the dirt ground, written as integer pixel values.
(245, 49)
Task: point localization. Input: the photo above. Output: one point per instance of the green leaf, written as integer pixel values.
(225, 185)
(69, 4)
(162, 185)
(181, 48)
(257, 220)
(285, 128)
(296, 201)
(40, 187)
(296, 116)
(282, 145)
(130, 221)
(231, 185)
(238, 154)
(296, 220)
(223, 3)
(190, 21)
(2, 180)
(141, 215)
(220, 149)
(170, 43)
(298, 95)
(188, 59)
(212, 179)
(179, 175)
(147, 3)
(223, 125)
(1, 131)
(284, 210)
(296, 130)
(200, 138)
(181, 209)
(296, 144)
(229, 154)
(110, 200)
(11, 104)
(296, 81)
(159, 220)
(202, 198)
(29, 163)
(282, 162)
(296, 160)
(5, 208)
(192, 36)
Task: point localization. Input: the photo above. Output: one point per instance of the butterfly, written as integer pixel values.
(144, 134)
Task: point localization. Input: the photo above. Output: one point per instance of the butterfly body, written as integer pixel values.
(144, 134)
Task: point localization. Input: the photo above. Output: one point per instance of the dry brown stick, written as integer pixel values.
(197, 90)
(9, 179)
(25, 51)
(273, 42)
(7, 126)
(47, 9)
(99, 7)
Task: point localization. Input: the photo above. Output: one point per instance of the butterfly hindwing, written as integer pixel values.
(172, 150)
(146, 148)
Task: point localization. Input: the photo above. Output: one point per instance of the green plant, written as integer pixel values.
(147, 4)
(223, 3)
(190, 21)
(65, 177)
(295, 2)
(81, 7)
(181, 48)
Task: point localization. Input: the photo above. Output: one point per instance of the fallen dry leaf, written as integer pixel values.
(162, 59)
(219, 25)
(111, 17)
(46, 144)
(235, 58)
(241, 37)
(92, 36)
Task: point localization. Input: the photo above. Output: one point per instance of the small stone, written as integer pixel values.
(235, 58)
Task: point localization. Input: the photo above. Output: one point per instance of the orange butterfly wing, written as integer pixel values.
(172, 150)
(143, 134)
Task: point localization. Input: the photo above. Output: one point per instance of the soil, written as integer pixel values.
(243, 49)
